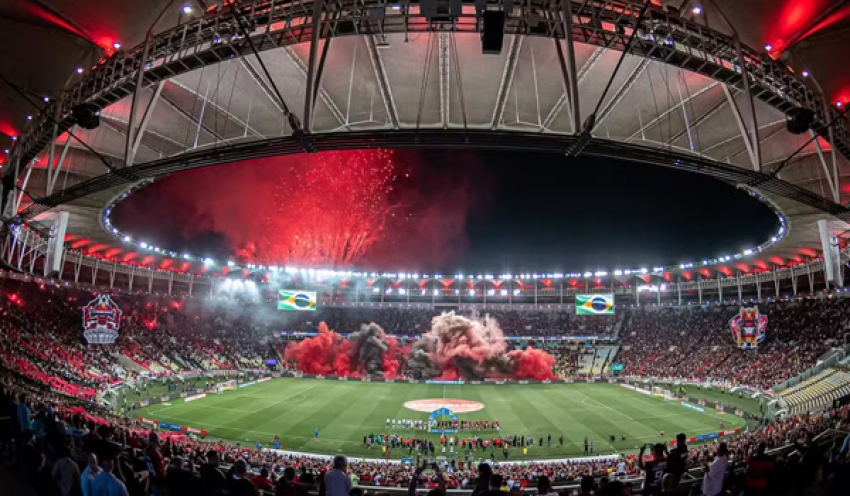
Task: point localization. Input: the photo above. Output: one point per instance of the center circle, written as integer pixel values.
(457, 406)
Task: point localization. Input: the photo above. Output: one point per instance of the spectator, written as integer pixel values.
(106, 484)
(544, 487)
(89, 474)
(678, 458)
(262, 481)
(482, 485)
(712, 483)
(587, 486)
(336, 482)
(654, 469)
(66, 473)
(669, 484)
(156, 463)
(286, 486)
(212, 478)
(238, 483)
(760, 470)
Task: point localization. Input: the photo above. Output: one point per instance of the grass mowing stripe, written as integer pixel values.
(345, 411)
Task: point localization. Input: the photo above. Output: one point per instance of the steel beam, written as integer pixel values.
(140, 79)
(207, 40)
(833, 182)
(383, 84)
(198, 122)
(444, 67)
(568, 64)
(507, 80)
(751, 148)
(621, 92)
(563, 101)
(52, 177)
(644, 127)
(321, 93)
(218, 108)
(139, 133)
(312, 71)
(751, 105)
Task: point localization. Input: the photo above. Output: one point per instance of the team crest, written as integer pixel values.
(101, 320)
(748, 328)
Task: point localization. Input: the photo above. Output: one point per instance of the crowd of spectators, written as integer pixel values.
(40, 336)
(49, 378)
(696, 342)
(65, 446)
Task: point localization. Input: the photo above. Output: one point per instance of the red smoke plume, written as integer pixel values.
(316, 355)
(532, 364)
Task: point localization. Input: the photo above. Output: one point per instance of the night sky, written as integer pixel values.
(510, 212)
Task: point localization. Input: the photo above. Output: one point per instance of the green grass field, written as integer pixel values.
(346, 411)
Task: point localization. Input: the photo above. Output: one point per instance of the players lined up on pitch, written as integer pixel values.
(432, 424)
(460, 447)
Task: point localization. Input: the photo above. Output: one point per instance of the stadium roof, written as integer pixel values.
(392, 77)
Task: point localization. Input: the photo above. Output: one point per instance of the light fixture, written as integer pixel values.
(697, 10)
(46, 99)
(768, 48)
(79, 70)
(806, 73)
(187, 9)
(116, 45)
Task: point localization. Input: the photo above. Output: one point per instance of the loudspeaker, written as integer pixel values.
(86, 117)
(800, 120)
(493, 35)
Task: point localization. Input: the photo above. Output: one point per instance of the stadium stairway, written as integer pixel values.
(129, 364)
(818, 391)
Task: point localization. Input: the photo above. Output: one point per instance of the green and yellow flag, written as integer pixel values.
(296, 300)
(595, 304)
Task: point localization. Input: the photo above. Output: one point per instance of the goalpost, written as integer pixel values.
(224, 386)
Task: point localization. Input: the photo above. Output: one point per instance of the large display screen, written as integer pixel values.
(595, 304)
(296, 300)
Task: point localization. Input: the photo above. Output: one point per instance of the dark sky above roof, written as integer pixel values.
(477, 211)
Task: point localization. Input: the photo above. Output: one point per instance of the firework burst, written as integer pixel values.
(328, 210)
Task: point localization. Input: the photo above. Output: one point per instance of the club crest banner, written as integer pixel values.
(748, 327)
(101, 320)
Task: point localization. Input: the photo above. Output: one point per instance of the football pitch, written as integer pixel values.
(346, 411)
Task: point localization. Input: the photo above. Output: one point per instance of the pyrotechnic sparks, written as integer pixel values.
(329, 211)
(373, 208)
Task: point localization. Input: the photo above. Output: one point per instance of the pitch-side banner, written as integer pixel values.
(748, 327)
(296, 300)
(595, 304)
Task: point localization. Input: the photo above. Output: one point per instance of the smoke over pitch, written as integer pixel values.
(368, 352)
(335, 209)
(475, 348)
(456, 347)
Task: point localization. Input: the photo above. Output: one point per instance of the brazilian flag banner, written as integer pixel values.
(595, 304)
(296, 300)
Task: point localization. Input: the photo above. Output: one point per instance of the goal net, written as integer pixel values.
(226, 385)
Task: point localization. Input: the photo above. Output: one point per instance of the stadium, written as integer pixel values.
(239, 256)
